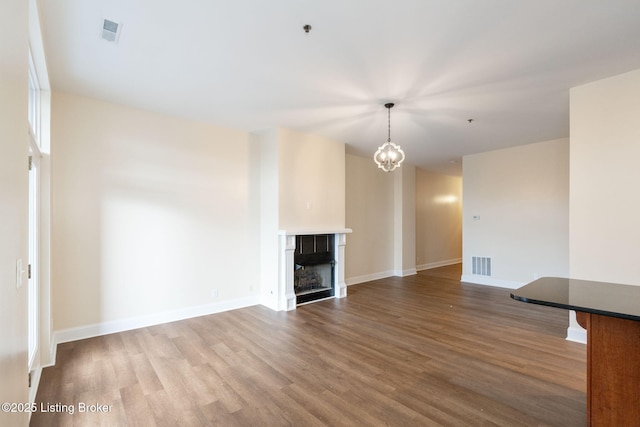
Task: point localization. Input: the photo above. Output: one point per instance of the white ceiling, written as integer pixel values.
(248, 64)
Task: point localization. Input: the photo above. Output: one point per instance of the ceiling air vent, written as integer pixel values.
(111, 30)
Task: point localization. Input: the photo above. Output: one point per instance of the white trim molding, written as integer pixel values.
(576, 334)
(369, 277)
(406, 272)
(437, 264)
(340, 285)
(36, 374)
(286, 293)
(98, 329)
(481, 280)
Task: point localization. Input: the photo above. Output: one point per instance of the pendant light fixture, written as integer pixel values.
(389, 155)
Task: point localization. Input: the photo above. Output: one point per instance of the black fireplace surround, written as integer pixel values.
(314, 267)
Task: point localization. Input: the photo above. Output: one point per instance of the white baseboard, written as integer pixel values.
(399, 273)
(269, 301)
(53, 352)
(368, 277)
(576, 334)
(482, 280)
(98, 329)
(437, 264)
(35, 382)
(407, 272)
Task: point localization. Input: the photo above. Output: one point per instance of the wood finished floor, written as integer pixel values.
(421, 350)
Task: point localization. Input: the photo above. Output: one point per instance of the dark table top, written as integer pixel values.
(609, 299)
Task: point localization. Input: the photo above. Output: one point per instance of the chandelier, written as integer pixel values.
(389, 155)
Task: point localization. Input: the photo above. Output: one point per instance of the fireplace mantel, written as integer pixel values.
(287, 246)
(307, 232)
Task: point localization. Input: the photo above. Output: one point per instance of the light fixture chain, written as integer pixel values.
(389, 127)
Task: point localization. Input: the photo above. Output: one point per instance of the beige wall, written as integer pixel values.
(311, 182)
(409, 210)
(151, 213)
(605, 206)
(521, 196)
(266, 145)
(302, 188)
(438, 219)
(404, 220)
(369, 213)
(13, 206)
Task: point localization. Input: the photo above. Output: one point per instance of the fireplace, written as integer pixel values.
(311, 267)
(314, 267)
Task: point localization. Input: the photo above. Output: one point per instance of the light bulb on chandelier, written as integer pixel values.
(389, 155)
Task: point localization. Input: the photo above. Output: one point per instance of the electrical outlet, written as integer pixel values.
(214, 293)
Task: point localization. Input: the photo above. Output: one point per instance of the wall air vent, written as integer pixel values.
(481, 265)
(111, 30)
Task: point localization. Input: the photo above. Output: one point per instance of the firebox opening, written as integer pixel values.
(314, 267)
